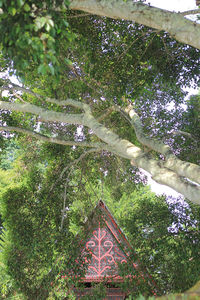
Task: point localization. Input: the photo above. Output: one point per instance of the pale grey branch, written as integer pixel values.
(14, 87)
(99, 146)
(182, 168)
(66, 102)
(179, 27)
(45, 115)
(184, 133)
(190, 12)
(9, 86)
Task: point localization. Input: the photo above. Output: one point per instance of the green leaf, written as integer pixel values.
(68, 61)
(27, 7)
(47, 26)
(66, 2)
(52, 70)
(65, 23)
(12, 10)
(51, 23)
(39, 22)
(44, 36)
(20, 2)
(42, 69)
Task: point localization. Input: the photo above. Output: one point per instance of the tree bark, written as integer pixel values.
(180, 28)
(171, 162)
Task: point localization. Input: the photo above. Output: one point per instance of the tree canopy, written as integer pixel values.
(97, 66)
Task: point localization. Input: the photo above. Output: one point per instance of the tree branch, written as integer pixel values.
(106, 113)
(97, 146)
(187, 134)
(9, 86)
(76, 161)
(163, 175)
(72, 164)
(64, 207)
(179, 27)
(66, 102)
(190, 12)
(45, 115)
(14, 87)
(19, 97)
(182, 168)
(169, 172)
(142, 137)
(78, 16)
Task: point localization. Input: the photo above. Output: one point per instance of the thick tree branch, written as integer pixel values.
(45, 115)
(161, 173)
(66, 102)
(86, 119)
(167, 172)
(167, 177)
(182, 168)
(182, 29)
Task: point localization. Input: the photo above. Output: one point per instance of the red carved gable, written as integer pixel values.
(107, 246)
(105, 254)
(108, 249)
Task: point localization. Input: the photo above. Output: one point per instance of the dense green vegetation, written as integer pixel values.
(47, 190)
(35, 251)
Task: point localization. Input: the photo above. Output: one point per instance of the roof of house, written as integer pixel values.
(109, 249)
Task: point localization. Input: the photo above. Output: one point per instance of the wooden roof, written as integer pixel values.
(109, 248)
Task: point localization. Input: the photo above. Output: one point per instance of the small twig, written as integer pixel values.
(107, 112)
(126, 50)
(71, 166)
(19, 97)
(187, 134)
(167, 52)
(64, 206)
(76, 161)
(141, 56)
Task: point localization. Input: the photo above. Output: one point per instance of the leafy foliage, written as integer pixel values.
(164, 234)
(36, 252)
(32, 30)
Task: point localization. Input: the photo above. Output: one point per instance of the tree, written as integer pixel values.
(93, 95)
(40, 241)
(88, 78)
(164, 235)
(39, 244)
(168, 172)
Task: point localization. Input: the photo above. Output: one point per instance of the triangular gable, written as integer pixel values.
(108, 247)
(105, 254)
